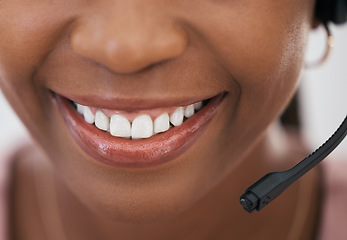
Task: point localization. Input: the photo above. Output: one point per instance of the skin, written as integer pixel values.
(147, 49)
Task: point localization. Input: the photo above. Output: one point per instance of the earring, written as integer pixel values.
(329, 46)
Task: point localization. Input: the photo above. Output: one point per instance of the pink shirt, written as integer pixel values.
(334, 208)
(333, 224)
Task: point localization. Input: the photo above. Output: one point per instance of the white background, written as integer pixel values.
(324, 91)
(323, 97)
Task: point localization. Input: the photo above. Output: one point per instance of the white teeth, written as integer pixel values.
(176, 117)
(80, 108)
(142, 127)
(189, 111)
(88, 115)
(102, 121)
(161, 123)
(198, 105)
(120, 126)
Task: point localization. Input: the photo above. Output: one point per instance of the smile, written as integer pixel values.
(136, 138)
(137, 125)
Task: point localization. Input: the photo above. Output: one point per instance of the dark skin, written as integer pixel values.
(151, 49)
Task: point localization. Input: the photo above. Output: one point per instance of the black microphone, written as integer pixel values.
(269, 187)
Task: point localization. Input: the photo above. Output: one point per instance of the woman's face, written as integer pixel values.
(134, 56)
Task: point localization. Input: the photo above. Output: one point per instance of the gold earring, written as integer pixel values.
(329, 45)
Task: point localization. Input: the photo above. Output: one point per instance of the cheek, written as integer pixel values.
(270, 78)
(264, 58)
(267, 75)
(27, 36)
(265, 64)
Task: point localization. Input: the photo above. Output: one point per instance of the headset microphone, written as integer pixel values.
(273, 184)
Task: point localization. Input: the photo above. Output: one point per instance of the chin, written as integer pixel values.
(141, 203)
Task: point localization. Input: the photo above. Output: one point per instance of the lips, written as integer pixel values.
(136, 153)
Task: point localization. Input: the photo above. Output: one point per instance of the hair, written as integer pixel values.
(331, 10)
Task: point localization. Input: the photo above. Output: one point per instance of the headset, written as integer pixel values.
(269, 187)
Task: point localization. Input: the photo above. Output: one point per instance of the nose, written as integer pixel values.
(128, 38)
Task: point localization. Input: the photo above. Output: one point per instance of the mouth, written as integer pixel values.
(136, 138)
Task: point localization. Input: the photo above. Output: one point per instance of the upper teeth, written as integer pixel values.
(120, 126)
(142, 126)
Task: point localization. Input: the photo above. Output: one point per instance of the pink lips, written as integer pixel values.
(141, 153)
